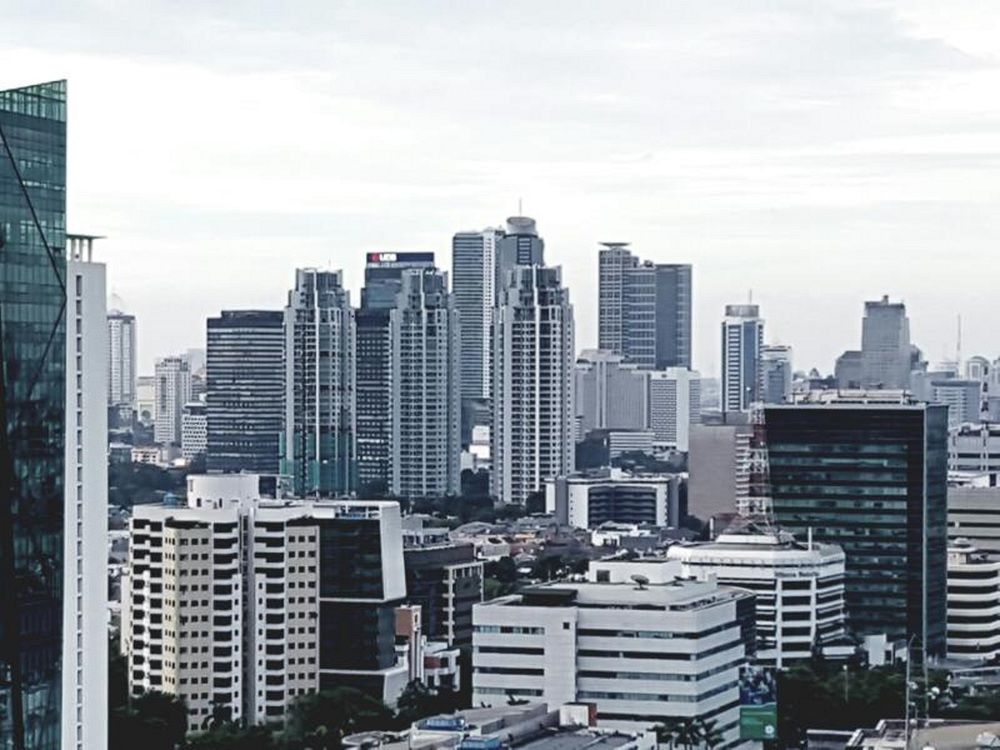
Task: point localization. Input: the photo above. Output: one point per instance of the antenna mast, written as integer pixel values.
(759, 505)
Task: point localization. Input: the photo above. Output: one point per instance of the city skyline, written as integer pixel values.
(727, 154)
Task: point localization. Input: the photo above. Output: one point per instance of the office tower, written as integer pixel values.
(318, 449)
(607, 393)
(261, 602)
(718, 468)
(480, 265)
(373, 362)
(586, 500)
(973, 603)
(532, 433)
(885, 346)
(798, 588)
(776, 373)
(445, 580)
(122, 348)
(847, 370)
(978, 368)
(674, 406)
(644, 308)
(742, 342)
(425, 414)
(962, 397)
(173, 390)
(870, 474)
(245, 391)
(85, 508)
(145, 399)
(642, 654)
(32, 410)
(194, 431)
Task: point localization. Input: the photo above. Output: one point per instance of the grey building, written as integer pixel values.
(122, 347)
(318, 450)
(974, 514)
(480, 265)
(425, 414)
(245, 391)
(608, 394)
(533, 338)
(373, 352)
(718, 468)
(32, 410)
(963, 398)
(847, 370)
(173, 390)
(644, 308)
(776, 373)
(870, 474)
(446, 580)
(885, 346)
(742, 343)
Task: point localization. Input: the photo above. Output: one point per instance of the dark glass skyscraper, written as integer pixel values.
(871, 477)
(383, 279)
(32, 411)
(244, 391)
(644, 309)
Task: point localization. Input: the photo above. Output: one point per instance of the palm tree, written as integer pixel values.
(666, 732)
(708, 733)
(687, 733)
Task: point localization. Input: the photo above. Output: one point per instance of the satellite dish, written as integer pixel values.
(641, 581)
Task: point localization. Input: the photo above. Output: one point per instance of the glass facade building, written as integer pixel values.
(871, 478)
(245, 391)
(32, 411)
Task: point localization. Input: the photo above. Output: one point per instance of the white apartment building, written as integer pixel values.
(122, 347)
(173, 390)
(799, 588)
(642, 652)
(674, 405)
(230, 604)
(974, 515)
(974, 448)
(85, 510)
(587, 500)
(742, 342)
(194, 431)
(973, 603)
(532, 432)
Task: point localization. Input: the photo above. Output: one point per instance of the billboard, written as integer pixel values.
(758, 703)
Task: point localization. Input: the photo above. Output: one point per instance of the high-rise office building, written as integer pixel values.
(608, 394)
(674, 405)
(245, 391)
(318, 448)
(742, 342)
(194, 431)
(532, 433)
(776, 373)
(644, 308)
(85, 582)
(445, 579)
(373, 362)
(425, 415)
(480, 265)
(964, 399)
(870, 474)
(122, 348)
(173, 390)
(32, 412)
(885, 346)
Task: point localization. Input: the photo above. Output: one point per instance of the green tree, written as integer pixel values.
(154, 721)
(708, 733)
(229, 736)
(320, 721)
(667, 732)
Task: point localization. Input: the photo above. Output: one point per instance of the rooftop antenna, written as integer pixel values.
(958, 344)
(750, 296)
(759, 506)
(520, 210)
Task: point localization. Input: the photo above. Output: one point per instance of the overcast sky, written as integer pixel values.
(820, 153)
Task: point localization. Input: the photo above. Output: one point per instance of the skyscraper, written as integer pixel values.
(383, 278)
(425, 414)
(173, 390)
(244, 397)
(32, 411)
(885, 345)
(318, 449)
(870, 475)
(121, 360)
(481, 263)
(85, 577)
(644, 309)
(532, 433)
(742, 342)
(776, 373)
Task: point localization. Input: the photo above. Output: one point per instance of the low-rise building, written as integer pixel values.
(445, 579)
(973, 603)
(974, 514)
(799, 587)
(643, 651)
(588, 499)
